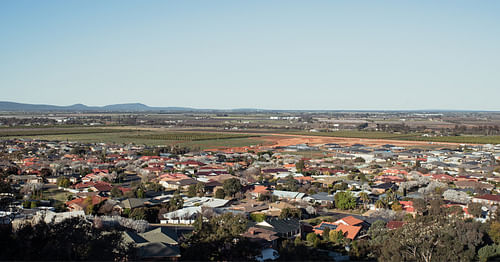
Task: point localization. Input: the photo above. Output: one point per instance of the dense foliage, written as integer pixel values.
(72, 239)
(218, 239)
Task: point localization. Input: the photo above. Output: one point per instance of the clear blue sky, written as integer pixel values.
(253, 54)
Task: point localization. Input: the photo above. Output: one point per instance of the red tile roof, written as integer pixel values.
(490, 197)
(349, 220)
(349, 231)
(395, 224)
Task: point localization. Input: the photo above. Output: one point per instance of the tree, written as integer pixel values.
(364, 198)
(191, 190)
(139, 193)
(396, 206)
(5, 187)
(311, 237)
(359, 160)
(231, 186)
(326, 234)
(116, 192)
(138, 214)
(291, 184)
(475, 209)
(73, 239)
(340, 186)
(336, 236)
(377, 232)
(300, 166)
(219, 239)
(297, 241)
(345, 200)
(63, 182)
(219, 193)
(45, 172)
(435, 206)
(494, 232)
(419, 205)
(176, 202)
(433, 238)
(487, 252)
(258, 217)
(200, 189)
(290, 212)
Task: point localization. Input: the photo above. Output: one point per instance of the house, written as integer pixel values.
(178, 184)
(381, 188)
(474, 185)
(51, 179)
(262, 236)
(322, 226)
(259, 190)
(82, 203)
(132, 203)
(304, 179)
(487, 199)
(322, 197)
(192, 207)
(288, 195)
(101, 187)
(284, 228)
(407, 206)
(350, 226)
(443, 178)
(275, 208)
(158, 244)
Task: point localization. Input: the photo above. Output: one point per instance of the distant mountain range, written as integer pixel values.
(131, 107)
(6, 106)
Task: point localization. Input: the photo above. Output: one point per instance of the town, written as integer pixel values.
(329, 201)
(250, 130)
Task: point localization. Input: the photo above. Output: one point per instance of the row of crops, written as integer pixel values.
(186, 136)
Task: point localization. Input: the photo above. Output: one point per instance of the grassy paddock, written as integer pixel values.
(144, 137)
(56, 131)
(190, 136)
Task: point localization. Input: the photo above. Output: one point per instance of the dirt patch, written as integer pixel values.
(280, 140)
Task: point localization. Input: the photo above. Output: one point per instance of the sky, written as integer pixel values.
(318, 55)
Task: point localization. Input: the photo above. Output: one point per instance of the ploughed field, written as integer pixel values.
(466, 139)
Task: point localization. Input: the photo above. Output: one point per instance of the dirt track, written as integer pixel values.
(287, 140)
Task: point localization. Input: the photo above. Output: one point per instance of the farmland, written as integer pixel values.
(405, 137)
(16, 132)
(190, 136)
(146, 136)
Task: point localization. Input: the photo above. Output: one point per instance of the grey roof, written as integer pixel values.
(133, 202)
(288, 194)
(281, 226)
(323, 196)
(205, 201)
(161, 234)
(157, 235)
(158, 250)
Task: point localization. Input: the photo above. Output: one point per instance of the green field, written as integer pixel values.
(16, 132)
(408, 137)
(198, 140)
(190, 136)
